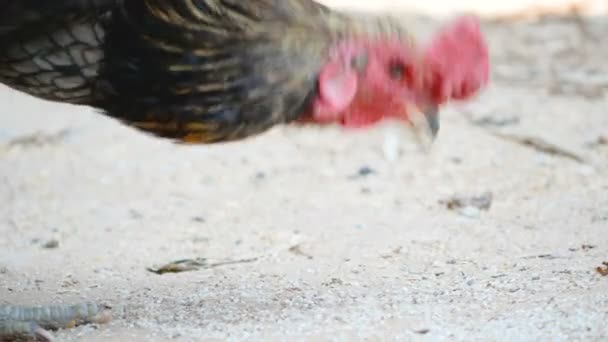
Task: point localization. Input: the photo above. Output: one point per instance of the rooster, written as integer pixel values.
(208, 71)
(205, 71)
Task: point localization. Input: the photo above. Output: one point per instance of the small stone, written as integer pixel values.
(422, 331)
(51, 244)
(366, 171)
(260, 175)
(480, 202)
(198, 219)
(470, 212)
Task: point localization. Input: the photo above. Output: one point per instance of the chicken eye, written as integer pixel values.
(397, 71)
(400, 71)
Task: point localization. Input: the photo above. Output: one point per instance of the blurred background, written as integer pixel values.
(486, 8)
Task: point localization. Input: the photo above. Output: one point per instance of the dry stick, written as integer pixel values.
(534, 143)
(31, 321)
(187, 265)
(540, 145)
(39, 138)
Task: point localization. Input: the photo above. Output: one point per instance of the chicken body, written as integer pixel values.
(199, 71)
(53, 49)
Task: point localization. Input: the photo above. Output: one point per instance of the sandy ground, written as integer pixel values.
(346, 245)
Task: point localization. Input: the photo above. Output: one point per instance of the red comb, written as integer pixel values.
(457, 60)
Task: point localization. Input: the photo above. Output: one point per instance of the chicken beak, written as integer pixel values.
(424, 122)
(431, 113)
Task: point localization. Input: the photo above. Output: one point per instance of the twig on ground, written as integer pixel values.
(540, 145)
(187, 265)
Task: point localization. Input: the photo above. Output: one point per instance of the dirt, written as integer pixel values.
(90, 206)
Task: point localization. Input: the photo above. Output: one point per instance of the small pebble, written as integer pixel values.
(198, 219)
(470, 212)
(422, 331)
(366, 171)
(51, 244)
(363, 172)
